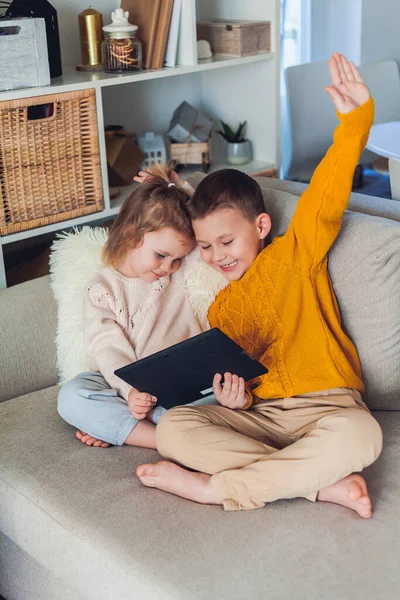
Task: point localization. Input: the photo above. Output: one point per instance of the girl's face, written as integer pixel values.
(160, 254)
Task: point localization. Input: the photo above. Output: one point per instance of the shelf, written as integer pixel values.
(254, 166)
(61, 225)
(78, 80)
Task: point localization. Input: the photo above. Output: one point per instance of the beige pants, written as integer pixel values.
(283, 448)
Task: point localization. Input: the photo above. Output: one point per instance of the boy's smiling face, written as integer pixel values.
(229, 242)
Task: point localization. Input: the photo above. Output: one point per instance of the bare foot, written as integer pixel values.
(87, 439)
(171, 478)
(350, 492)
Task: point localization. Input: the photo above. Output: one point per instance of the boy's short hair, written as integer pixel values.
(227, 188)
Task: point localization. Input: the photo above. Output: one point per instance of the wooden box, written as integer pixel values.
(192, 153)
(124, 157)
(236, 38)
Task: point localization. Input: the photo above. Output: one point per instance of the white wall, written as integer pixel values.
(336, 26)
(67, 14)
(380, 30)
(364, 30)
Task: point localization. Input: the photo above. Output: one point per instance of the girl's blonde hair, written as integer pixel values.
(154, 205)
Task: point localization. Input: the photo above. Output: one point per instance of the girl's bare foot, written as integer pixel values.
(87, 439)
(350, 492)
(171, 478)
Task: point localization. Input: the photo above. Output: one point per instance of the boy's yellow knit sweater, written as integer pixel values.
(283, 310)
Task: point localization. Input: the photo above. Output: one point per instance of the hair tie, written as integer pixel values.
(171, 184)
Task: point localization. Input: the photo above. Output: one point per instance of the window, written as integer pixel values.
(295, 34)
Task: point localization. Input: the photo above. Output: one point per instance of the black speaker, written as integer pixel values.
(43, 9)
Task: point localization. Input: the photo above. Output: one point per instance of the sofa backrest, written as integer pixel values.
(364, 265)
(28, 318)
(362, 203)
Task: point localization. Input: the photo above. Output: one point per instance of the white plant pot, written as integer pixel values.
(239, 153)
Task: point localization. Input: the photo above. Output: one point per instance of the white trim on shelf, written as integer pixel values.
(78, 80)
(59, 226)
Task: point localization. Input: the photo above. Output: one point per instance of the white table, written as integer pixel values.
(384, 139)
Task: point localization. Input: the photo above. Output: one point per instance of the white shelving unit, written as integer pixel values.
(232, 89)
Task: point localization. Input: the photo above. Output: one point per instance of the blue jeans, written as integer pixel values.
(88, 403)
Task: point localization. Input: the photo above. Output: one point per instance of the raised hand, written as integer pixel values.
(348, 90)
(233, 394)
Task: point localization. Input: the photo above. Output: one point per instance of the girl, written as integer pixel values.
(135, 306)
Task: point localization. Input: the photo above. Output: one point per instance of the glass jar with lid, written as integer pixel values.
(121, 50)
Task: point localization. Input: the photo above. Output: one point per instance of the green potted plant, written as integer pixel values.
(238, 146)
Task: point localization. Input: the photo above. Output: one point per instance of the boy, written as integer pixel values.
(285, 438)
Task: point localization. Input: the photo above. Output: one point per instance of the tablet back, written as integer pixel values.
(184, 372)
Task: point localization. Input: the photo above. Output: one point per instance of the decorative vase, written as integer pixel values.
(239, 153)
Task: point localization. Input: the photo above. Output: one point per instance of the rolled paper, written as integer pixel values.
(91, 35)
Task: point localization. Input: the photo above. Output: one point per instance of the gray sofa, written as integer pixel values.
(76, 523)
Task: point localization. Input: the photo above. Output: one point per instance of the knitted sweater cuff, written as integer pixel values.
(359, 120)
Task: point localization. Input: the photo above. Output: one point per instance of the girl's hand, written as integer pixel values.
(176, 179)
(140, 403)
(233, 395)
(141, 177)
(348, 90)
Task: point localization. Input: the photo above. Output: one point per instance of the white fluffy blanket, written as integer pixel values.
(74, 260)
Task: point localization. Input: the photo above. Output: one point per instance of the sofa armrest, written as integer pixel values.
(28, 317)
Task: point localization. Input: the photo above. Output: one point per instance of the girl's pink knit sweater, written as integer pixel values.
(126, 319)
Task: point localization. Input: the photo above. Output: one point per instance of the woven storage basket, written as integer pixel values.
(49, 167)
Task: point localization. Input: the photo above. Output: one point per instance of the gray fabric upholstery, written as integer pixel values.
(362, 203)
(364, 264)
(23, 578)
(28, 317)
(82, 514)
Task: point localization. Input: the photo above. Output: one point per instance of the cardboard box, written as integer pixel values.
(124, 157)
(236, 38)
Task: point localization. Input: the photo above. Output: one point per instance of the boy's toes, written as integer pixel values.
(365, 501)
(365, 511)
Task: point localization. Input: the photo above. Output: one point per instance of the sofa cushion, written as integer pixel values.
(36, 583)
(364, 265)
(28, 316)
(82, 514)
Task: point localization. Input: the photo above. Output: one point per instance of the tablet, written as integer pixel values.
(184, 372)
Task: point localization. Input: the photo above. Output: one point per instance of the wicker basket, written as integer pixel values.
(49, 167)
